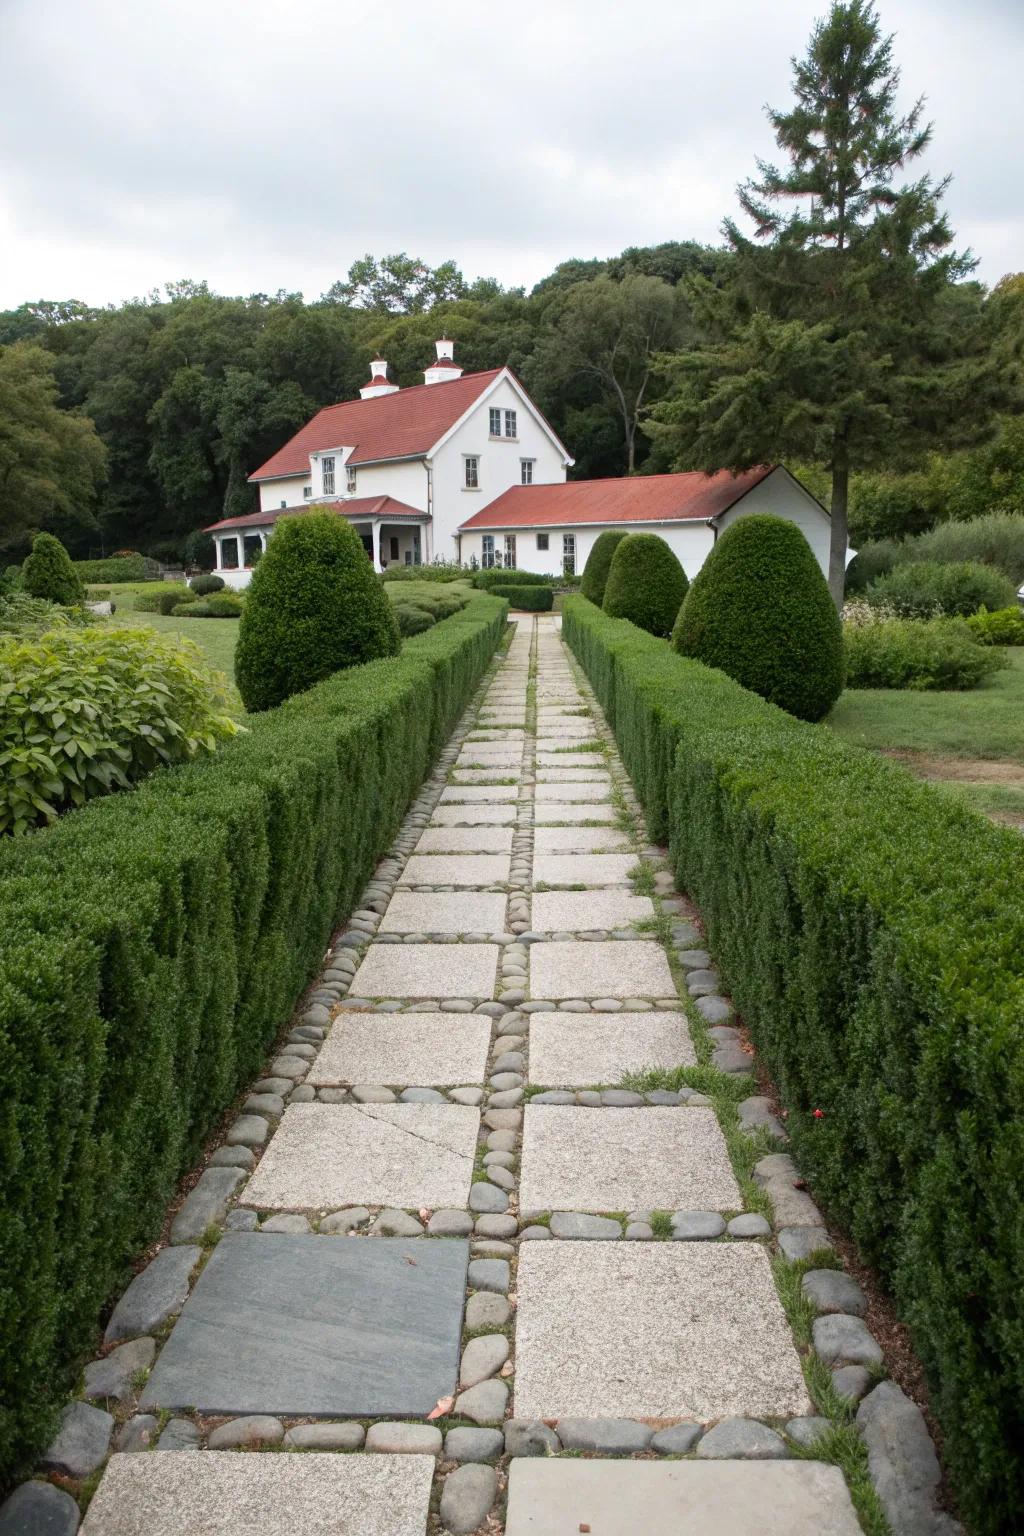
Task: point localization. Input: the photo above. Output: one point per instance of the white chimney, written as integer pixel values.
(379, 383)
(446, 367)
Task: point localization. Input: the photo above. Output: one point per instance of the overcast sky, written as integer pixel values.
(265, 144)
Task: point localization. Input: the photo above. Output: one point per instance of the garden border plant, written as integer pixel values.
(154, 945)
(871, 932)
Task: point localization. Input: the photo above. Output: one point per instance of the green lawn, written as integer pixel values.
(970, 743)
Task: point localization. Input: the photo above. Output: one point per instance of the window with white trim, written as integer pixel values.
(568, 554)
(327, 470)
(472, 464)
(284, 503)
(526, 471)
(350, 479)
(542, 541)
(487, 551)
(510, 424)
(307, 491)
(510, 551)
(495, 420)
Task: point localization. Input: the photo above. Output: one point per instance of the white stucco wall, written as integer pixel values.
(499, 459)
(273, 492)
(783, 496)
(691, 542)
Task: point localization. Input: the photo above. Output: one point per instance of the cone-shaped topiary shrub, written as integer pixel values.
(760, 609)
(599, 562)
(48, 572)
(314, 606)
(646, 584)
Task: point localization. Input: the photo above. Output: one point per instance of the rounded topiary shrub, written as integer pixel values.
(760, 609)
(201, 585)
(313, 607)
(646, 584)
(599, 563)
(48, 572)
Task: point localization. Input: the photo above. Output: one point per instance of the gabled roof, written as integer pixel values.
(686, 498)
(356, 508)
(403, 425)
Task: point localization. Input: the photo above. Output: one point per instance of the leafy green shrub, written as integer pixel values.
(202, 585)
(874, 559)
(10, 579)
(646, 584)
(599, 563)
(997, 539)
(24, 615)
(529, 599)
(440, 604)
(1004, 627)
(48, 573)
(760, 610)
(412, 620)
(154, 944)
(871, 931)
(196, 608)
(500, 576)
(223, 605)
(922, 654)
(129, 567)
(314, 606)
(87, 711)
(920, 588)
(163, 597)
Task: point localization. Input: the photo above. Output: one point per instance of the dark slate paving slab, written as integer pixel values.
(286, 1324)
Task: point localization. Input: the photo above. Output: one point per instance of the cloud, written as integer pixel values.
(265, 147)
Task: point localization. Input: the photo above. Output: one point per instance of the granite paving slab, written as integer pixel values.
(405, 1155)
(465, 840)
(410, 1049)
(456, 869)
(591, 775)
(568, 968)
(662, 1331)
(573, 1050)
(568, 759)
(549, 1497)
(284, 1324)
(220, 1493)
(579, 840)
(573, 813)
(583, 868)
(594, 791)
(427, 970)
(577, 1159)
(445, 912)
(575, 911)
(489, 794)
(473, 815)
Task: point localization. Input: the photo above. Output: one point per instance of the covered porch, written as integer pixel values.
(392, 533)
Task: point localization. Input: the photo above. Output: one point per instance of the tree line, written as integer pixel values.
(846, 335)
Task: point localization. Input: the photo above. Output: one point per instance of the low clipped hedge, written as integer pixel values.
(532, 599)
(163, 597)
(871, 931)
(502, 576)
(153, 946)
(118, 568)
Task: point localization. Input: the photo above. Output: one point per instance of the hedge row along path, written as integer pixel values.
(505, 1194)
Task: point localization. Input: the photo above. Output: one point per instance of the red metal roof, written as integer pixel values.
(397, 426)
(355, 508)
(692, 497)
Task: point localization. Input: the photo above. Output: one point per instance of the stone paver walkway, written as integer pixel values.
(454, 1242)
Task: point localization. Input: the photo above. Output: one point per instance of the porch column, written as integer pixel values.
(263, 539)
(219, 547)
(240, 546)
(375, 542)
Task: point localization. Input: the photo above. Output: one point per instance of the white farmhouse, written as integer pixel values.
(405, 466)
(464, 467)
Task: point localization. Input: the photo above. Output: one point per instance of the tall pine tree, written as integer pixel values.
(842, 334)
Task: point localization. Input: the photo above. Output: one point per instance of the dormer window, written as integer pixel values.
(327, 468)
(350, 479)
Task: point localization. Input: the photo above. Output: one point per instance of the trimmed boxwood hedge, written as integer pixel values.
(599, 563)
(501, 576)
(118, 568)
(531, 599)
(871, 931)
(154, 943)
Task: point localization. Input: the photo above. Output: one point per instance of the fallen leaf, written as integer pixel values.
(442, 1406)
(583, 1527)
(507, 1368)
(424, 1213)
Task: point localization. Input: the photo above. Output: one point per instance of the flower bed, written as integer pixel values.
(154, 943)
(872, 934)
